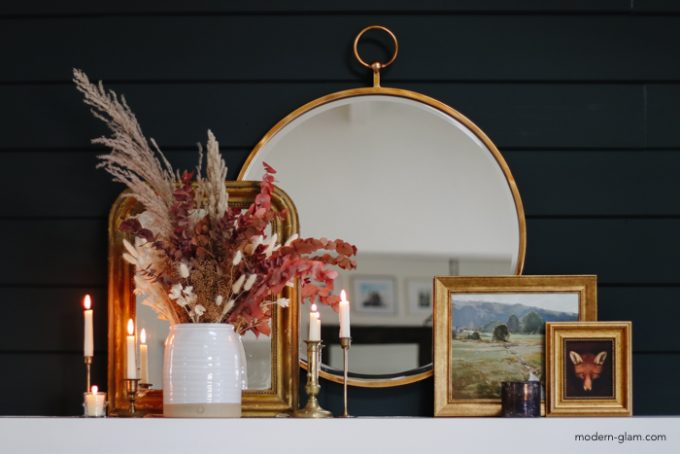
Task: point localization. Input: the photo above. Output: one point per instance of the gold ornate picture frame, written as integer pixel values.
(282, 396)
(589, 369)
(489, 329)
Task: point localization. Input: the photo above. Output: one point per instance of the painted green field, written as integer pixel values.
(479, 366)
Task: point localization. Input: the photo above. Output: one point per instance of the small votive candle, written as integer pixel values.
(521, 399)
(95, 403)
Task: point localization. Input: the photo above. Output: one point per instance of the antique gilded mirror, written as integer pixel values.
(418, 188)
(272, 361)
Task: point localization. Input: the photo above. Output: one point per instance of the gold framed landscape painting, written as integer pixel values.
(589, 369)
(490, 329)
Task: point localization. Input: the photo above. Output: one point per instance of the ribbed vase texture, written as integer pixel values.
(202, 371)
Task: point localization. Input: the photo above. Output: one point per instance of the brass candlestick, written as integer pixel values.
(132, 388)
(88, 367)
(312, 388)
(345, 343)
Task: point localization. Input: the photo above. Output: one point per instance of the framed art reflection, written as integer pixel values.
(492, 329)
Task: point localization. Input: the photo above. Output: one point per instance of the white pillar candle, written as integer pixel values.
(131, 356)
(314, 324)
(343, 310)
(88, 338)
(143, 357)
(95, 403)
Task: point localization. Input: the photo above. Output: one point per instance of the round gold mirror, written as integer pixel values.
(420, 190)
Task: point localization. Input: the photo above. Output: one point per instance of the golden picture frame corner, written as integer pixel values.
(589, 369)
(472, 357)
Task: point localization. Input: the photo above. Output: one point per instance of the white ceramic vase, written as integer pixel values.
(203, 371)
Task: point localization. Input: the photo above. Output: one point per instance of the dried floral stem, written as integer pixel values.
(197, 259)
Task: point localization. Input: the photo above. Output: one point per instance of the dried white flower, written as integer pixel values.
(271, 245)
(199, 310)
(292, 238)
(218, 300)
(183, 270)
(227, 307)
(249, 283)
(236, 287)
(283, 302)
(188, 291)
(175, 292)
(237, 258)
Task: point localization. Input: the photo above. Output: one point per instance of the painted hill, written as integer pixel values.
(484, 315)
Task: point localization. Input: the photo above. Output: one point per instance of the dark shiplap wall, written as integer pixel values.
(582, 98)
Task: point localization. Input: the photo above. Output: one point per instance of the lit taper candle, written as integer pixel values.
(314, 324)
(143, 358)
(88, 338)
(343, 309)
(131, 356)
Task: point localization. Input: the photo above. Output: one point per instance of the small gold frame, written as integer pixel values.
(444, 287)
(282, 397)
(619, 334)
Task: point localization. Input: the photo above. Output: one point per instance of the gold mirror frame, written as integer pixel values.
(398, 380)
(282, 397)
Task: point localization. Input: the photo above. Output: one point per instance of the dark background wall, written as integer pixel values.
(582, 97)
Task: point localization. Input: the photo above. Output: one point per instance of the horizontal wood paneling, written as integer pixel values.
(33, 7)
(513, 115)
(597, 183)
(663, 115)
(51, 319)
(654, 312)
(433, 47)
(47, 384)
(48, 252)
(610, 183)
(75, 186)
(635, 251)
(655, 384)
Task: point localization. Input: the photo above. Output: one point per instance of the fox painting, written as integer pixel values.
(589, 371)
(588, 367)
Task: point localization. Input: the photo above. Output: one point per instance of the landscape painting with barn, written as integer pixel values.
(499, 337)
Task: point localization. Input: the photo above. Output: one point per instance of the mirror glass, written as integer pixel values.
(418, 189)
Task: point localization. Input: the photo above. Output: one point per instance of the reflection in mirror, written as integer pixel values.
(418, 188)
(258, 350)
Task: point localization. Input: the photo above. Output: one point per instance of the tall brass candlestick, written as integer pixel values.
(88, 367)
(345, 343)
(312, 388)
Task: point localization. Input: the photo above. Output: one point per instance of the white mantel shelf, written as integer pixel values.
(331, 436)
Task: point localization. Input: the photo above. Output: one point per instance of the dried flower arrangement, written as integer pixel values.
(196, 259)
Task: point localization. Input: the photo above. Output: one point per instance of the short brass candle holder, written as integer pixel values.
(312, 388)
(88, 367)
(132, 388)
(345, 343)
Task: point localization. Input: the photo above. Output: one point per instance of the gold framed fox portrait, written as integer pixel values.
(588, 369)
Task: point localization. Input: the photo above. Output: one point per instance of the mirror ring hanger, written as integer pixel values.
(376, 66)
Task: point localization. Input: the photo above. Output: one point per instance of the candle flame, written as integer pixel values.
(95, 389)
(142, 336)
(131, 327)
(87, 302)
(314, 308)
(343, 295)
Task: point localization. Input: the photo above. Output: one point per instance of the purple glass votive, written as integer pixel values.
(521, 399)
